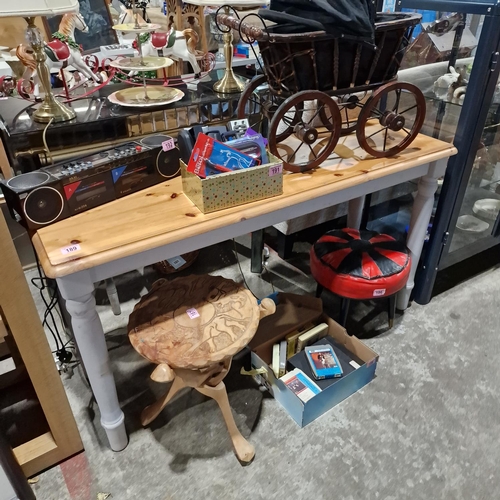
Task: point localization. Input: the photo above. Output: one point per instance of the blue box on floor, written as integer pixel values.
(292, 312)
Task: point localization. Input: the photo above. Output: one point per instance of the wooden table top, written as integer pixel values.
(162, 214)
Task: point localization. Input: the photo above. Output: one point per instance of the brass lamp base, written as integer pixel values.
(53, 110)
(50, 109)
(229, 83)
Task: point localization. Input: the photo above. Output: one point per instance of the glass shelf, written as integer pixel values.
(99, 123)
(428, 67)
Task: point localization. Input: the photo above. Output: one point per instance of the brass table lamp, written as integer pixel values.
(229, 83)
(50, 108)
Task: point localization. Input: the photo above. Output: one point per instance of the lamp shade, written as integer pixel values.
(30, 8)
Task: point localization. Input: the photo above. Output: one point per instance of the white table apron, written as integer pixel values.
(77, 288)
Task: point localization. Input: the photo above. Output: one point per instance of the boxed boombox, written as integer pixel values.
(297, 387)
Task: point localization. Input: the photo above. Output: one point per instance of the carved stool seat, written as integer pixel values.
(191, 327)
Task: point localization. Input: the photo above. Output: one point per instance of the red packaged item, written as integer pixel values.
(210, 156)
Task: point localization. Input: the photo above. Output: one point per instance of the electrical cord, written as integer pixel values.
(44, 139)
(41, 283)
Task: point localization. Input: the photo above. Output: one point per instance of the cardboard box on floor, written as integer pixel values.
(292, 312)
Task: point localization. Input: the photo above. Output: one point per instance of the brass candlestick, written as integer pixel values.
(229, 83)
(135, 15)
(50, 109)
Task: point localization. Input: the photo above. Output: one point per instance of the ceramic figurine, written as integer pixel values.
(179, 44)
(61, 52)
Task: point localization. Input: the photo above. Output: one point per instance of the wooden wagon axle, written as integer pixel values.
(393, 121)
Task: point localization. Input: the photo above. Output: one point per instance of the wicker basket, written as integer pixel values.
(315, 61)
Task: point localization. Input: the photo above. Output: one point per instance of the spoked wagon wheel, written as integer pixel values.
(250, 105)
(314, 118)
(391, 119)
(259, 105)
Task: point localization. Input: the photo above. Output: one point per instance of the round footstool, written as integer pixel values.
(191, 327)
(360, 265)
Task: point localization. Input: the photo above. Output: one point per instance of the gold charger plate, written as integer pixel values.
(150, 63)
(135, 96)
(131, 28)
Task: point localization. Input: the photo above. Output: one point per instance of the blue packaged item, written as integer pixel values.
(250, 132)
(252, 145)
(218, 156)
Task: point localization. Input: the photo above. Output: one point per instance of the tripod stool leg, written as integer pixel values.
(243, 449)
(152, 411)
(319, 291)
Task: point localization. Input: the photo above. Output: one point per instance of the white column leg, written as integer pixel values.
(77, 289)
(355, 212)
(420, 217)
(112, 293)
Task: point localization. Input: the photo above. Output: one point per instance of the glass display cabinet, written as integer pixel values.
(100, 124)
(455, 61)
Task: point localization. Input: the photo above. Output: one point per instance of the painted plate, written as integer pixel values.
(136, 96)
(148, 63)
(131, 28)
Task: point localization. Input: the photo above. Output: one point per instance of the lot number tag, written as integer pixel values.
(176, 262)
(192, 313)
(275, 170)
(70, 249)
(168, 145)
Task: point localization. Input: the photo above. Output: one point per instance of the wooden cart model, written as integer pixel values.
(316, 88)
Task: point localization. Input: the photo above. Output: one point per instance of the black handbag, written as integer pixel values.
(352, 19)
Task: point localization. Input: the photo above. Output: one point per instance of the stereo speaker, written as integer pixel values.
(167, 162)
(35, 199)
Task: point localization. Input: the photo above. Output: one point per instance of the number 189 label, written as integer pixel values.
(70, 249)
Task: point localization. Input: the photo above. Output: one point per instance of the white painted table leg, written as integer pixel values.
(77, 289)
(112, 293)
(355, 212)
(420, 217)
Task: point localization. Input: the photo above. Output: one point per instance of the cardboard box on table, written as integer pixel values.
(230, 189)
(292, 312)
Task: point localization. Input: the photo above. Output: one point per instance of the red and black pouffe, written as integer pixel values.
(360, 265)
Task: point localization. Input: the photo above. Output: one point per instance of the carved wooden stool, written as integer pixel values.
(192, 327)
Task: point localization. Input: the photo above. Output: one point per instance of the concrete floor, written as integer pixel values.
(426, 427)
